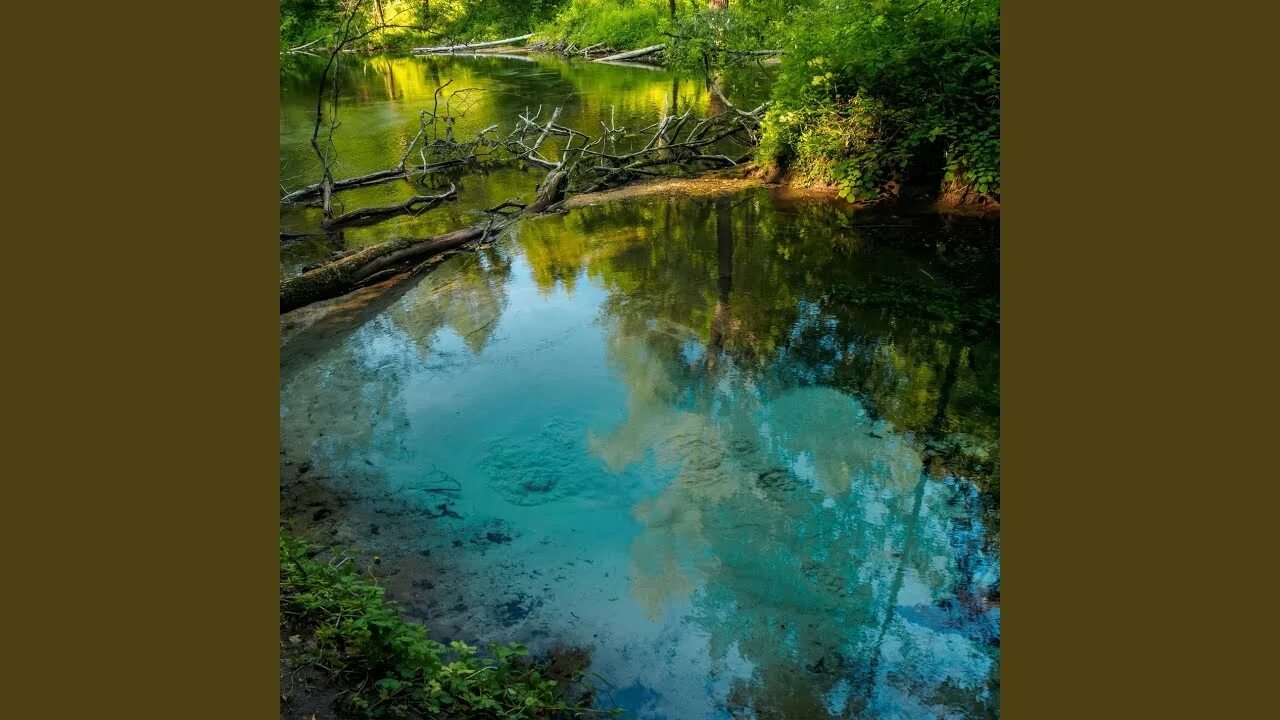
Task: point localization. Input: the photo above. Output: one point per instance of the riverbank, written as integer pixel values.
(346, 650)
(790, 186)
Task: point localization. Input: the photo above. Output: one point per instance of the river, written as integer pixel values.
(744, 445)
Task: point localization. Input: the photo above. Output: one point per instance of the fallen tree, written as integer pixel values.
(669, 149)
(368, 265)
(632, 54)
(468, 46)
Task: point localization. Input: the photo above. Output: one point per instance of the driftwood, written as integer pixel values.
(630, 54)
(464, 47)
(416, 204)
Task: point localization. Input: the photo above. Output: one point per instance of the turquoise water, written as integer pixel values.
(743, 449)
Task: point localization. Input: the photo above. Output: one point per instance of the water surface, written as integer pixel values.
(378, 113)
(745, 447)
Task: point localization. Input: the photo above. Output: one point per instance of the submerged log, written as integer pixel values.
(630, 54)
(350, 272)
(469, 46)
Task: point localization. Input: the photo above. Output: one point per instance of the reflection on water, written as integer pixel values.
(381, 98)
(744, 447)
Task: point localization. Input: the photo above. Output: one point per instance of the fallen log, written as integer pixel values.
(469, 46)
(632, 65)
(673, 145)
(416, 204)
(349, 273)
(753, 53)
(630, 54)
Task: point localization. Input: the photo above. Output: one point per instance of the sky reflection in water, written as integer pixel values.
(744, 449)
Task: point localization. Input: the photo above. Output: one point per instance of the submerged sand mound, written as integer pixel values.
(539, 468)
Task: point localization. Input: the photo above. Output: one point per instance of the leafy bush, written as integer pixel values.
(354, 631)
(747, 25)
(494, 19)
(874, 91)
(304, 20)
(620, 24)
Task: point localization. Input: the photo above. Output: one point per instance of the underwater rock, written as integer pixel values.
(516, 610)
(497, 532)
(776, 478)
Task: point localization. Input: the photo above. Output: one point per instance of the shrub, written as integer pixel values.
(872, 92)
(617, 23)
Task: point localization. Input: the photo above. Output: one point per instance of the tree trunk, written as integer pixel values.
(343, 276)
(633, 53)
(469, 46)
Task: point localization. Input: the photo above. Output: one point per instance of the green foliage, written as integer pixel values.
(494, 19)
(871, 95)
(354, 631)
(621, 24)
(302, 21)
(703, 37)
(873, 92)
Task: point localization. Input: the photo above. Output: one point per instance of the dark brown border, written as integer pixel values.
(143, 527)
(1133, 170)
(144, 325)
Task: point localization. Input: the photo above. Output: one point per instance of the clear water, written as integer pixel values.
(379, 105)
(745, 447)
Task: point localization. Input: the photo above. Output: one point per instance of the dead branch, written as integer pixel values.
(677, 143)
(303, 46)
(374, 178)
(416, 205)
(515, 204)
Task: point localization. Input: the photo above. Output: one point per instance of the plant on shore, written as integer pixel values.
(344, 624)
(874, 94)
(620, 24)
(871, 95)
